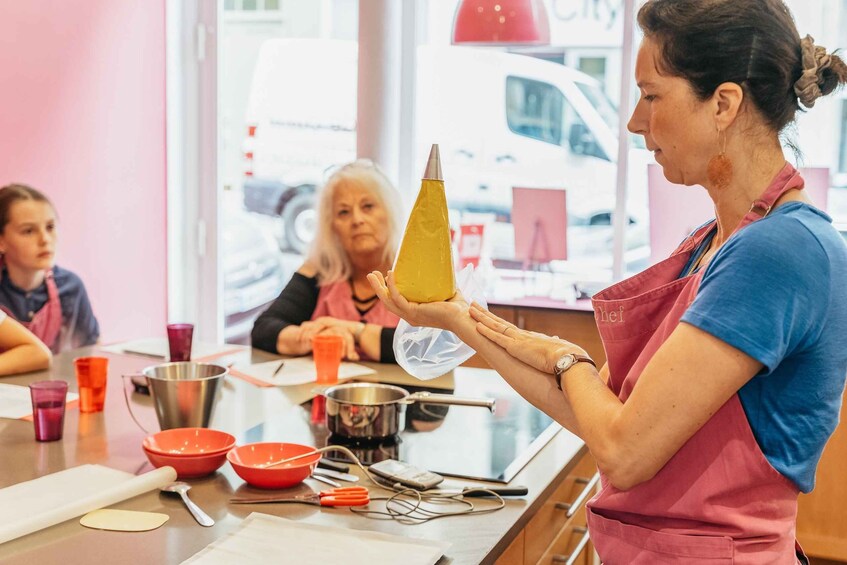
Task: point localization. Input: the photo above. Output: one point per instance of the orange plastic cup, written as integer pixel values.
(91, 375)
(327, 351)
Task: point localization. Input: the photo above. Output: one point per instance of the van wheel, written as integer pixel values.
(299, 219)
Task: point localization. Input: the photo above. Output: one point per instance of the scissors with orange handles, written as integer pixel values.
(343, 496)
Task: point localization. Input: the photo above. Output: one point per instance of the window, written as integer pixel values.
(543, 117)
(276, 142)
(534, 109)
(251, 5)
(842, 159)
(595, 67)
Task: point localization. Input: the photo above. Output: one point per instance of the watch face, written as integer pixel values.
(564, 362)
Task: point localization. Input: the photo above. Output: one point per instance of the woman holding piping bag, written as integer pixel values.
(358, 231)
(48, 300)
(726, 362)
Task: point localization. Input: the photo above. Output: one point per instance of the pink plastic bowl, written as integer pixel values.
(188, 467)
(245, 458)
(189, 442)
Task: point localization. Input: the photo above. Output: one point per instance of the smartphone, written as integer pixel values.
(405, 474)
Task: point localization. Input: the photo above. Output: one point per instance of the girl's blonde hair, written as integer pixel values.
(326, 252)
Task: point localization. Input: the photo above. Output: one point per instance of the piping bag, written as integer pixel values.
(424, 272)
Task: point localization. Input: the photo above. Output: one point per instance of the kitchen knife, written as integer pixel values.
(325, 463)
(336, 475)
(476, 492)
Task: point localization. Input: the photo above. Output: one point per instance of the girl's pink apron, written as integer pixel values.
(717, 500)
(336, 300)
(46, 324)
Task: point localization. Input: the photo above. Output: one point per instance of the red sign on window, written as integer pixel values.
(470, 244)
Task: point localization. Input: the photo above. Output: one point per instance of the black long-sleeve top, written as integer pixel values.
(295, 305)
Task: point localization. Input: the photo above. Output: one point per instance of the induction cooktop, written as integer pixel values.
(459, 441)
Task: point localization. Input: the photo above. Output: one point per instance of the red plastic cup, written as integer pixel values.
(327, 351)
(318, 414)
(91, 373)
(179, 341)
(48, 409)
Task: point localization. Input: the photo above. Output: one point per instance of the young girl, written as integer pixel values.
(49, 301)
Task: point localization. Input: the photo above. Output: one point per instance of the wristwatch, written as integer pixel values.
(567, 361)
(358, 332)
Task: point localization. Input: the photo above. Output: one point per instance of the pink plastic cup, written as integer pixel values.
(179, 341)
(48, 409)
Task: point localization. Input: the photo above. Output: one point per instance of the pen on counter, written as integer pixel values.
(142, 353)
(278, 369)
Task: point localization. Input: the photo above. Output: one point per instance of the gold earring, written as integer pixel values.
(719, 170)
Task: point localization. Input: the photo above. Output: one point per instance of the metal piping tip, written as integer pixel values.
(433, 165)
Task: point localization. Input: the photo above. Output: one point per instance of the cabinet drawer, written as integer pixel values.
(553, 515)
(571, 546)
(514, 553)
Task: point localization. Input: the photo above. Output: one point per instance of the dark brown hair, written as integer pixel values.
(12, 193)
(753, 43)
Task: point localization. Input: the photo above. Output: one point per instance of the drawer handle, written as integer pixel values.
(571, 559)
(572, 507)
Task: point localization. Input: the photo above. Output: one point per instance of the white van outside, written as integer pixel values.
(502, 120)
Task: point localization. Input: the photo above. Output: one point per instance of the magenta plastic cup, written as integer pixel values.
(48, 409)
(179, 341)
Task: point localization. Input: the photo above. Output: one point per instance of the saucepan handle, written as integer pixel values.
(431, 398)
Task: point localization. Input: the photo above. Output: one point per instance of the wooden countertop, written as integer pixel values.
(111, 438)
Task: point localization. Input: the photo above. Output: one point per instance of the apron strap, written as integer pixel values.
(787, 179)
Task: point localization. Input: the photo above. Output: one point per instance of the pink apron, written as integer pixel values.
(336, 300)
(46, 324)
(717, 500)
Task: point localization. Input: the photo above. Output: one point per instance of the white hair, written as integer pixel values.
(326, 252)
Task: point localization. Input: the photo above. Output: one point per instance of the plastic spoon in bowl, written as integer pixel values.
(289, 459)
(182, 489)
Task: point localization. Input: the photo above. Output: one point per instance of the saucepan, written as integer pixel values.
(373, 410)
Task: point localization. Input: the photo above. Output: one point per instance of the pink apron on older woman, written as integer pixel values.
(46, 324)
(336, 300)
(718, 499)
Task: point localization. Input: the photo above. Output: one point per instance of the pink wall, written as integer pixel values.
(82, 118)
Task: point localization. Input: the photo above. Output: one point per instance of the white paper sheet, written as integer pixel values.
(297, 371)
(43, 502)
(262, 538)
(16, 402)
(157, 347)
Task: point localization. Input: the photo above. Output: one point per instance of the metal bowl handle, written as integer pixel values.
(126, 400)
(449, 399)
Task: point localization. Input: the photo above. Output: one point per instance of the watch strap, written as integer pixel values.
(357, 334)
(577, 358)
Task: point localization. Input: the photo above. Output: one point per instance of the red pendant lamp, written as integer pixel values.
(501, 22)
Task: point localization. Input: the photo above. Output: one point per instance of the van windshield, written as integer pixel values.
(606, 108)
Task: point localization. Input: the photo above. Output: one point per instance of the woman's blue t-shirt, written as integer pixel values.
(777, 290)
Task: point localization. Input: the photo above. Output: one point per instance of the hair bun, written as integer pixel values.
(815, 61)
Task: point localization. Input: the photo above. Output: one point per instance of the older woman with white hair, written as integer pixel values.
(359, 225)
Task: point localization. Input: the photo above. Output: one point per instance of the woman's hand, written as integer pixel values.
(330, 322)
(349, 347)
(308, 330)
(326, 325)
(535, 349)
(429, 315)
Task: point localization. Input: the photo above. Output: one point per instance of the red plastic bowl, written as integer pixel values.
(188, 467)
(189, 442)
(245, 458)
